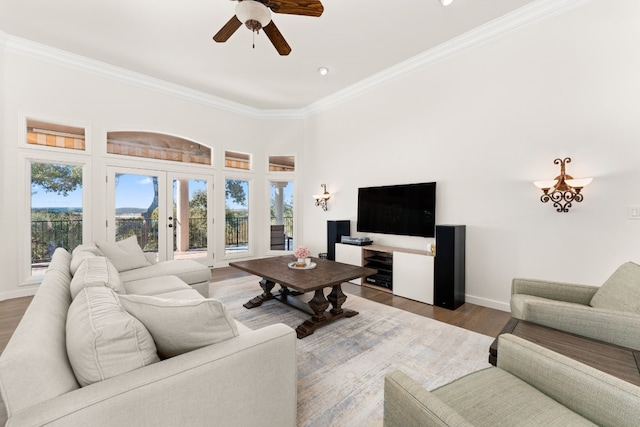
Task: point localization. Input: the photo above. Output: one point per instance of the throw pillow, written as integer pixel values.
(179, 326)
(103, 340)
(125, 254)
(96, 271)
(621, 291)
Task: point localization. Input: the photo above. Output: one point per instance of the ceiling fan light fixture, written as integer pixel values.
(250, 10)
(446, 2)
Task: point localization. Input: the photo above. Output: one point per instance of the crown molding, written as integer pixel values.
(60, 57)
(526, 15)
(493, 30)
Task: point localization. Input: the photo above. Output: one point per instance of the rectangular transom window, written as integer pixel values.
(54, 135)
(282, 163)
(235, 160)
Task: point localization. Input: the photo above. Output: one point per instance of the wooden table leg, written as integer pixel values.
(337, 298)
(266, 285)
(318, 304)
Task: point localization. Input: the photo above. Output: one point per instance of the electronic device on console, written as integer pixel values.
(358, 241)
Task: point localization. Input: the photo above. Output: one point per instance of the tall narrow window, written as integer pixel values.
(56, 211)
(236, 216)
(281, 229)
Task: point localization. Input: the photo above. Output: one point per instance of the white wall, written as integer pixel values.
(70, 95)
(486, 123)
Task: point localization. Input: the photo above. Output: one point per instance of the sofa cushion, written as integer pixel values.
(189, 294)
(189, 271)
(125, 254)
(494, 397)
(155, 285)
(621, 291)
(96, 271)
(103, 340)
(78, 258)
(179, 326)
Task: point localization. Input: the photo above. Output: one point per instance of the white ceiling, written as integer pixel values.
(172, 41)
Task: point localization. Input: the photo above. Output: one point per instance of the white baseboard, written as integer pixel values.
(18, 294)
(498, 305)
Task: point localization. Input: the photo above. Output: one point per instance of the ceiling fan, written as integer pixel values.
(256, 15)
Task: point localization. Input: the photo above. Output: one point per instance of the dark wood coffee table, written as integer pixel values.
(615, 360)
(327, 274)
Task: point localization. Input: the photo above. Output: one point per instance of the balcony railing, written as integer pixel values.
(46, 236)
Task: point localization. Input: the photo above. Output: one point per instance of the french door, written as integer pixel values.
(170, 213)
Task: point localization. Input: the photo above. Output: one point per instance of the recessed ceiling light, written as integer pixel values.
(446, 2)
(323, 71)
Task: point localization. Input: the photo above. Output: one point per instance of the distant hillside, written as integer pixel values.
(130, 211)
(58, 210)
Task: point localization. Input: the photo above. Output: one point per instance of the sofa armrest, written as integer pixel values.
(568, 292)
(408, 403)
(593, 394)
(246, 380)
(615, 327)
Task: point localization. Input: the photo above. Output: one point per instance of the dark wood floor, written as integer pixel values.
(469, 316)
(475, 318)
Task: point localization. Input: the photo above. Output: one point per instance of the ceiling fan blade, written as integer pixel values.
(228, 30)
(297, 7)
(276, 38)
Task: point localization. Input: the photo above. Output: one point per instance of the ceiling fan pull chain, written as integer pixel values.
(253, 34)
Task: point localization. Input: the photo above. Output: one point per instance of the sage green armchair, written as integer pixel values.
(531, 386)
(609, 313)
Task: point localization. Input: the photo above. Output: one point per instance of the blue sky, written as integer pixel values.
(42, 199)
(133, 191)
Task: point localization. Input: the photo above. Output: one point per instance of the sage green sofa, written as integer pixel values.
(246, 379)
(609, 313)
(531, 386)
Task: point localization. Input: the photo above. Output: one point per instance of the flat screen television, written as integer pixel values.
(407, 210)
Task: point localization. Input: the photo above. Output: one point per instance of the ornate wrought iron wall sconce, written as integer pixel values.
(563, 189)
(321, 199)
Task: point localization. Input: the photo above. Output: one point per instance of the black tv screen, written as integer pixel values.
(408, 210)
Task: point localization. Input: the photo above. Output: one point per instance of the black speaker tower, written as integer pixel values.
(449, 268)
(335, 231)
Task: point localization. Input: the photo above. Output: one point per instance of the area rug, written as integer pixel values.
(341, 367)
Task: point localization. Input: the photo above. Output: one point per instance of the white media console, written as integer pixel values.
(410, 270)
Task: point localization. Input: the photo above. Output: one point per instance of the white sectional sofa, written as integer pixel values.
(246, 378)
(132, 264)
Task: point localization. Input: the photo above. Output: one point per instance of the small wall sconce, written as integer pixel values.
(565, 189)
(321, 199)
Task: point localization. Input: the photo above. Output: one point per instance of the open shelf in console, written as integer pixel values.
(382, 260)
